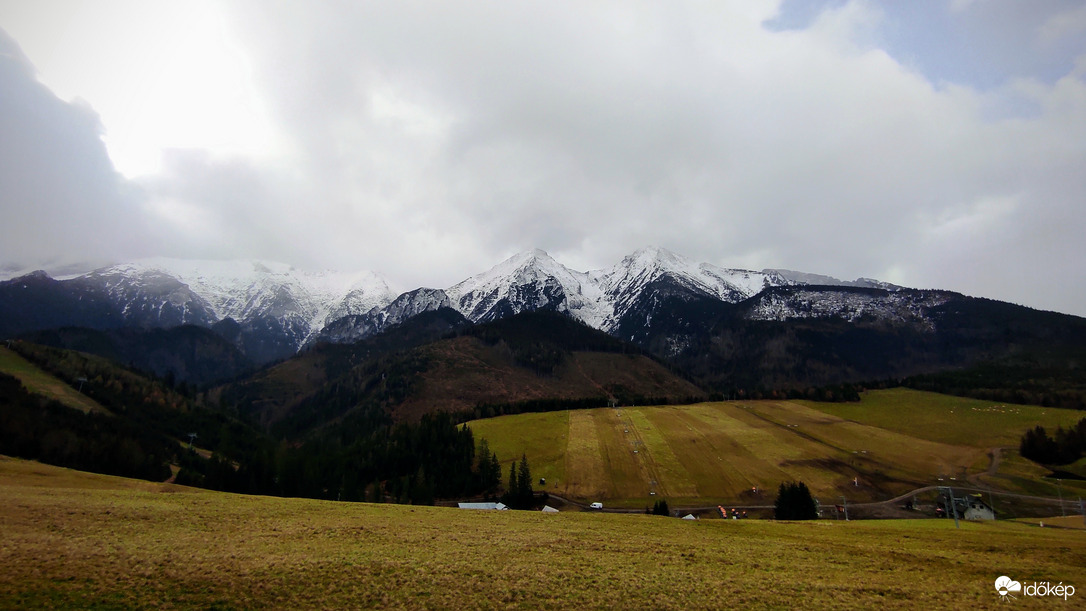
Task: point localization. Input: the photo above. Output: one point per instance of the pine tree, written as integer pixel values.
(511, 491)
(524, 483)
(495, 474)
(794, 502)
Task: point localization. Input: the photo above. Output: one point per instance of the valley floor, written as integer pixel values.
(75, 540)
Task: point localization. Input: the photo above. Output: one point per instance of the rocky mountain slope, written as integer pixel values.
(533, 280)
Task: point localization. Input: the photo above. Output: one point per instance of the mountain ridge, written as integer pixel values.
(657, 299)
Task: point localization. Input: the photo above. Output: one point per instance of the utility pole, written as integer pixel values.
(1059, 486)
(844, 505)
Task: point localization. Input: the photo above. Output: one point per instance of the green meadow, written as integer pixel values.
(737, 452)
(76, 540)
(949, 419)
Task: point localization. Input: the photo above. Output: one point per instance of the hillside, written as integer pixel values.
(794, 338)
(84, 411)
(464, 372)
(188, 353)
(738, 452)
(73, 540)
(405, 372)
(44, 384)
(268, 395)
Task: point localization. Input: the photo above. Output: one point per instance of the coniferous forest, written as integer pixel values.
(151, 425)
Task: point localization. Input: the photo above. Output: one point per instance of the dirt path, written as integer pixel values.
(995, 458)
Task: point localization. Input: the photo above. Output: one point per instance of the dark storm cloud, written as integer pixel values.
(61, 199)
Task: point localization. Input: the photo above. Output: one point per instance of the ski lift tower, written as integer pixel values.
(949, 492)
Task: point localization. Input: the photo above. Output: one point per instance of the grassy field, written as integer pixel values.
(947, 419)
(738, 452)
(39, 382)
(73, 540)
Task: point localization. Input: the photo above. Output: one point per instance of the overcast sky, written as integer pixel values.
(931, 143)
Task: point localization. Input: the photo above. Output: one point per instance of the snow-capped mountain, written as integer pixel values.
(625, 283)
(271, 310)
(735, 332)
(209, 291)
(527, 281)
(357, 326)
(533, 280)
(275, 308)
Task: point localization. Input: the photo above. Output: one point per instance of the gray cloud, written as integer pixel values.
(60, 196)
(428, 140)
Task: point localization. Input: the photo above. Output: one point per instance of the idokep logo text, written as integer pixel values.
(1007, 588)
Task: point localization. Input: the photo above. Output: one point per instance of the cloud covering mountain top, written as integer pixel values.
(427, 140)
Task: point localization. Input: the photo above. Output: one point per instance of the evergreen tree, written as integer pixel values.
(661, 508)
(511, 490)
(519, 494)
(1037, 446)
(495, 474)
(488, 471)
(794, 502)
(524, 483)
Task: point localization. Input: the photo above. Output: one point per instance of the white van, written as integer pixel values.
(596, 506)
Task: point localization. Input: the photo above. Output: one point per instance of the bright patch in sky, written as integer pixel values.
(160, 75)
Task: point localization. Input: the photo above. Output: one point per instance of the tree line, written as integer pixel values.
(1066, 446)
(366, 457)
(36, 428)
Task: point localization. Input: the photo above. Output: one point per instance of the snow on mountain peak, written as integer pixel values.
(268, 294)
(528, 280)
(622, 284)
(251, 288)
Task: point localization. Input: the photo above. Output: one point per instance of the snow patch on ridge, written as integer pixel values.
(902, 307)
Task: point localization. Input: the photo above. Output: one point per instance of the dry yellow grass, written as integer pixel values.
(585, 473)
(72, 540)
(713, 453)
(1076, 522)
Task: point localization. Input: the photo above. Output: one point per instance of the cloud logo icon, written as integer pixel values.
(1005, 585)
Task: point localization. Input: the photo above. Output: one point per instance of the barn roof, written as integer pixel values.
(482, 506)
